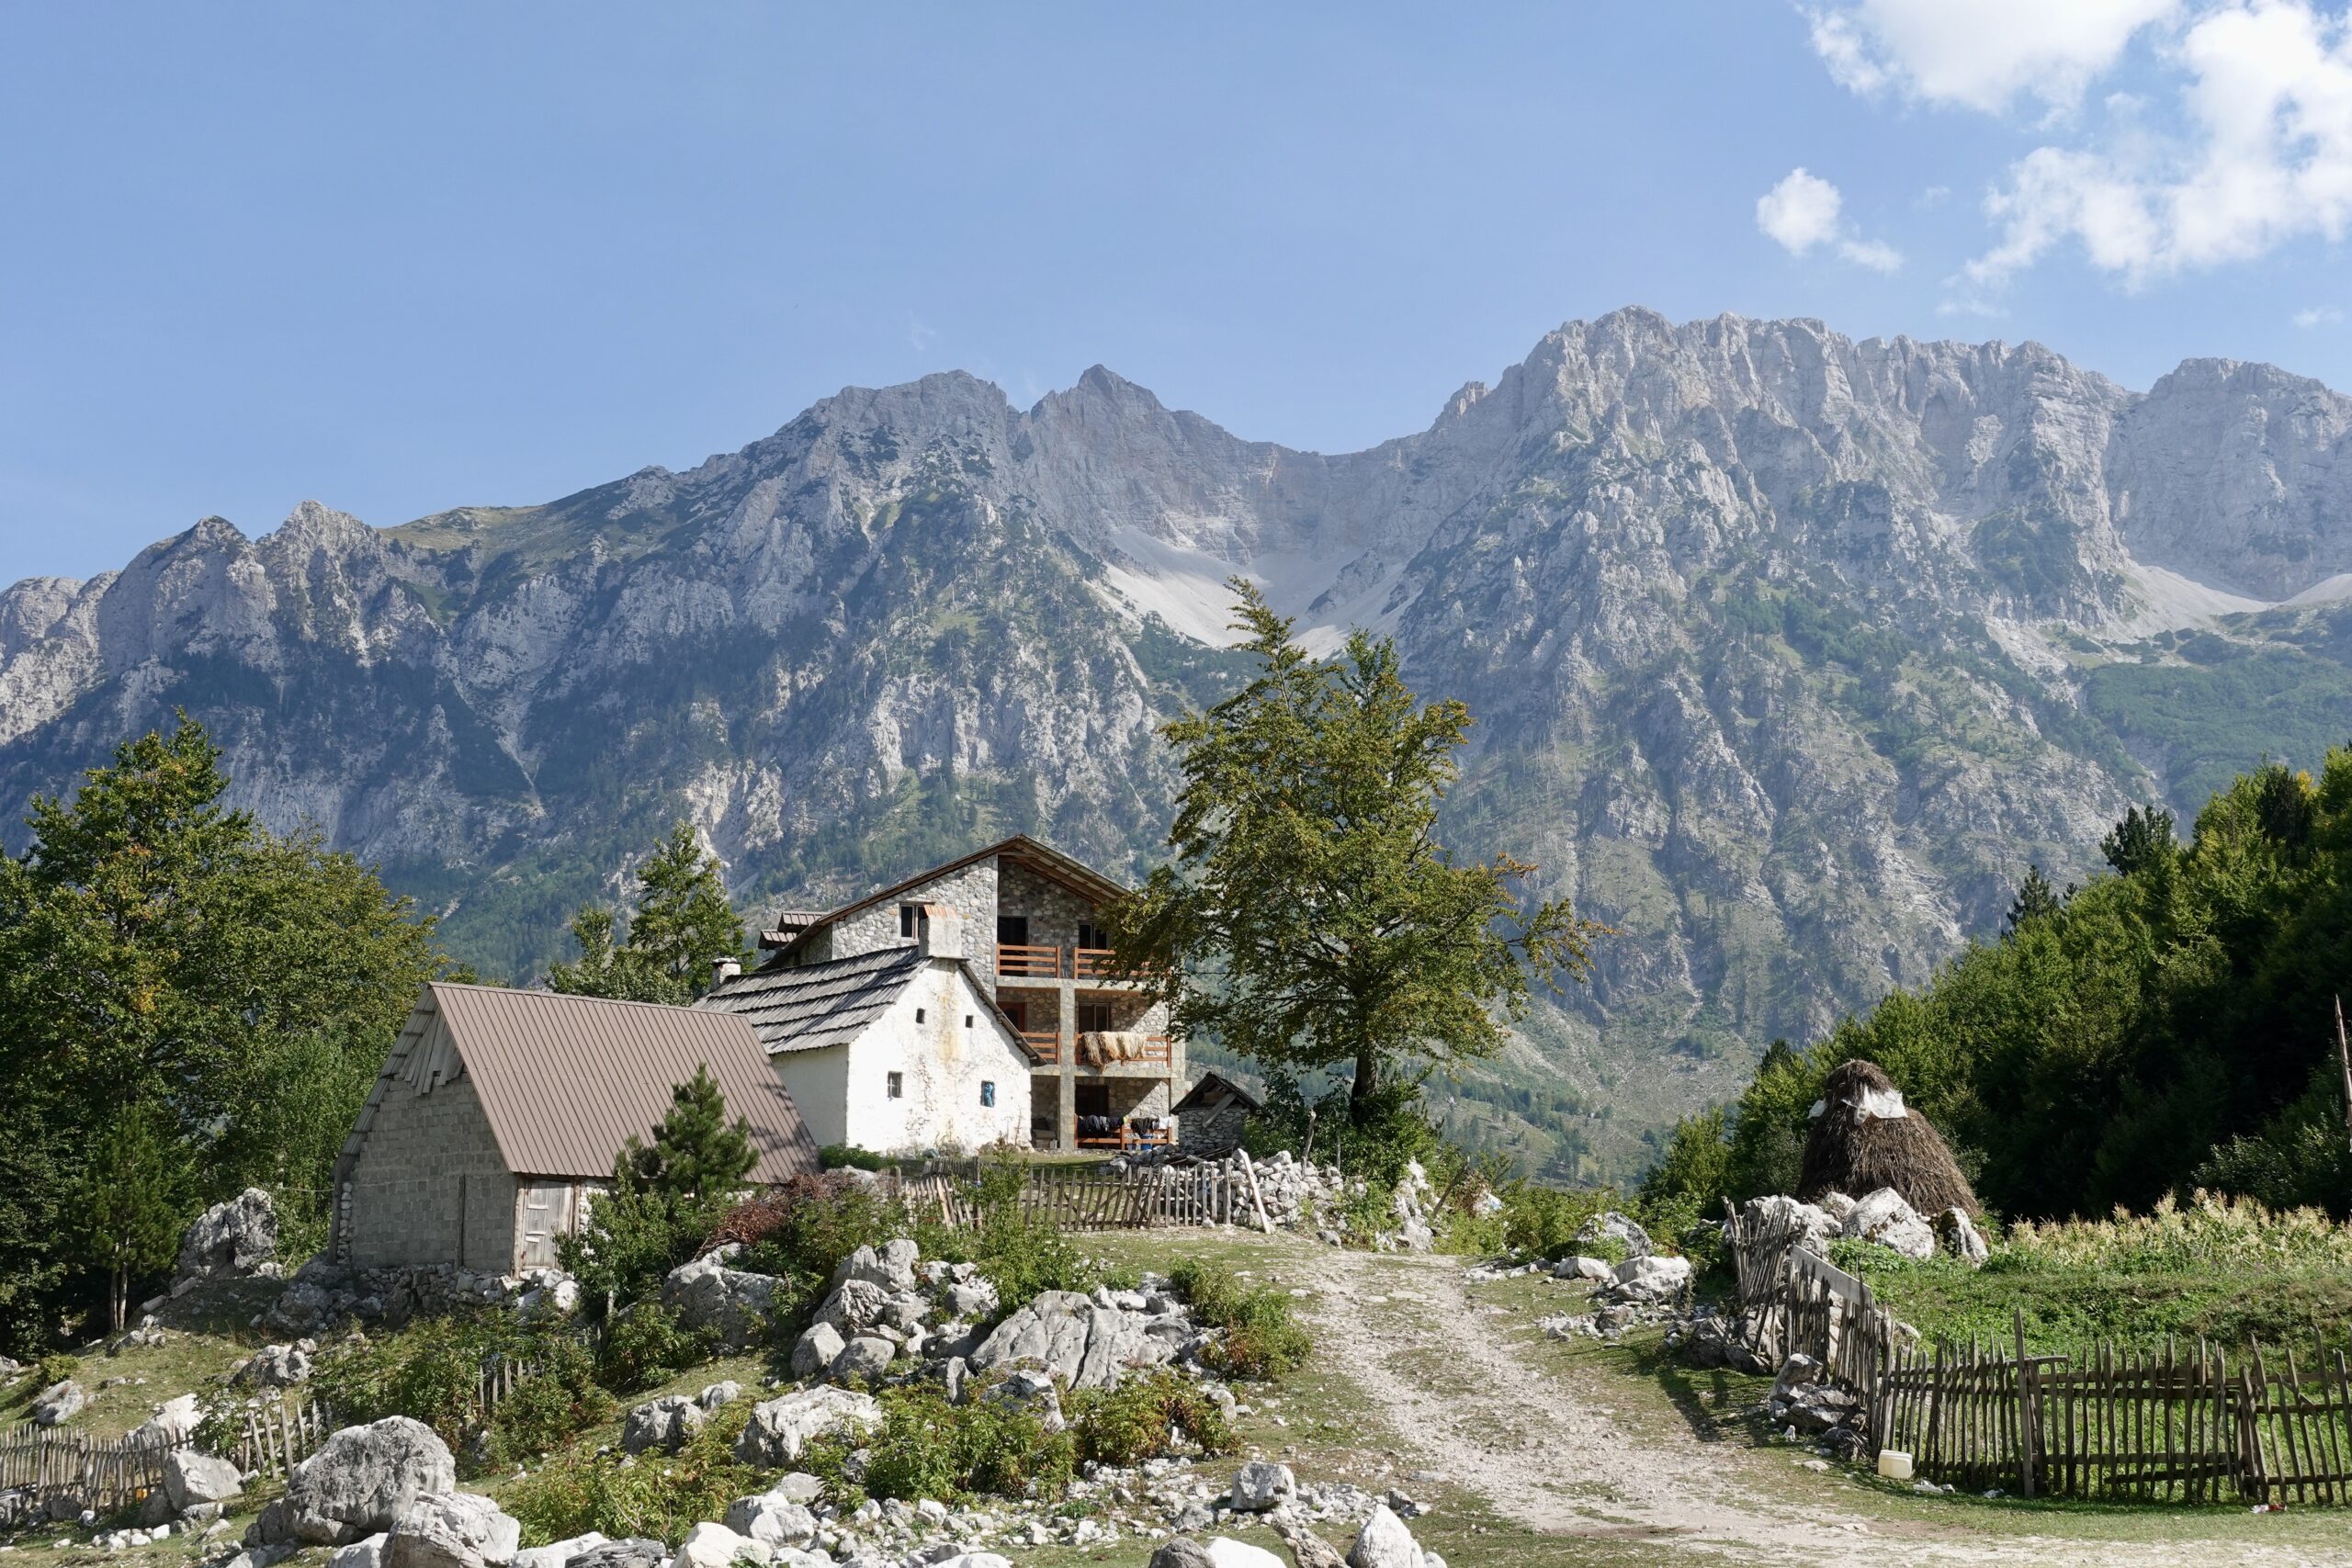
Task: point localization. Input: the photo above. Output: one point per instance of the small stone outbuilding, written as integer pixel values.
(499, 1114)
(1211, 1116)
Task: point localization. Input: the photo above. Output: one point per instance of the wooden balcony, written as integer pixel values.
(1157, 1051)
(1087, 965)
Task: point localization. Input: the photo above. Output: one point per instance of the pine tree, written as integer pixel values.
(697, 1155)
(666, 1197)
(683, 924)
(2142, 839)
(2035, 897)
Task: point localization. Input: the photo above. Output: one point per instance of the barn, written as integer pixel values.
(499, 1112)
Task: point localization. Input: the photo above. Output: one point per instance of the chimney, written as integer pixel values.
(723, 970)
(940, 932)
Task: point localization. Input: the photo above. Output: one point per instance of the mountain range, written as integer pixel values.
(1788, 653)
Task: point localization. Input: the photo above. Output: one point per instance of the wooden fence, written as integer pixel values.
(1087, 1196)
(2109, 1423)
(2169, 1426)
(97, 1473)
(283, 1432)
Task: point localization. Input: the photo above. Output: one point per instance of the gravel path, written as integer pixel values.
(1443, 1373)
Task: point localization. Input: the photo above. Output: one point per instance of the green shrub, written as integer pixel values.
(928, 1448)
(650, 1496)
(429, 1371)
(835, 1156)
(55, 1367)
(1259, 1339)
(648, 1345)
(558, 1402)
(1127, 1425)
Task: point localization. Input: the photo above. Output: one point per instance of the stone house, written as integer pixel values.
(499, 1114)
(1103, 1064)
(899, 1048)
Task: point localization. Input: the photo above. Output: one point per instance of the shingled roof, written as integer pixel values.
(831, 1003)
(794, 927)
(566, 1081)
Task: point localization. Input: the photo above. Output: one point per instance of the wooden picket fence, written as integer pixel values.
(1086, 1197)
(104, 1473)
(2159, 1427)
(281, 1433)
(2112, 1424)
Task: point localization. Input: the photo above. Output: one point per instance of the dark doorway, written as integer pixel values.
(1013, 930)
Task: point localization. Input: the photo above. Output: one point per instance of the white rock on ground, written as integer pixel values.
(368, 1553)
(1805, 1225)
(1884, 1217)
(362, 1479)
(714, 1545)
(60, 1402)
(665, 1424)
(1651, 1278)
(174, 1422)
(1226, 1553)
(1384, 1543)
(555, 1553)
(1958, 1235)
(772, 1517)
(452, 1530)
(190, 1478)
(780, 1429)
(1261, 1485)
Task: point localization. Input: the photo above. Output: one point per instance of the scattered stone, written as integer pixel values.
(1306, 1549)
(707, 1293)
(361, 1481)
(555, 1553)
(1384, 1543)
(780, 1429)
(1226, 1553)
(1649, 1277)
(817, 1350)
(452, 1530)
(238, 1238)
(634, 1551)
(1958, 1235)
(714, 1545)
(665, 1424)
(771, 1517)
(1614, 1226)
(277, 1366)
(58, 1403)
(190, 1478)
(718, 1395)
(1884, 1217)
(1261, 1485)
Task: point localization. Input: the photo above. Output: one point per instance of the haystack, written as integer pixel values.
(1864, 1138)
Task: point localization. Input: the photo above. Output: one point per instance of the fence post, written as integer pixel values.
(2028, 1409)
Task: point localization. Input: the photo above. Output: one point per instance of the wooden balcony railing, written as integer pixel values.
(1156, 1051)
(1029, 962)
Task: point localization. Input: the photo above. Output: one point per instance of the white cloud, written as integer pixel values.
(2320, 316)
(1802, 214)
(2263, 156)
(1981, 54)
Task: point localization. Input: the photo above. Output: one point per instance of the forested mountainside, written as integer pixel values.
(1788, 653)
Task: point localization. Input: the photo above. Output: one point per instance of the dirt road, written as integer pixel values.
(1462, 1389)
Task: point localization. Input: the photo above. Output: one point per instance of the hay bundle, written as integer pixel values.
(1865, 1138)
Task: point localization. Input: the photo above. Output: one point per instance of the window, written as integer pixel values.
(1018, 1013)
(895, 1086)
(968, 1021)
(1013, 930)
(988, 1093)
(1091, 935)
(910, 916)
(1094, 1018)
(918, 1015)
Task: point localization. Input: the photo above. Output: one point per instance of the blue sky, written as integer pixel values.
(406, 258)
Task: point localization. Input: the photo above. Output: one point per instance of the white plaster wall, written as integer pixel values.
(819, 1084)
(943, 1064)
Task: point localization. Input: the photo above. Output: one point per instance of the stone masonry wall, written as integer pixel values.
(417, 1156)
(971, 892)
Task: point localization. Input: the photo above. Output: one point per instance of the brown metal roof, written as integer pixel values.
(567, 1080)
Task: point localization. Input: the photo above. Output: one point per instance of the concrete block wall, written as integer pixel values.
(419, 1153)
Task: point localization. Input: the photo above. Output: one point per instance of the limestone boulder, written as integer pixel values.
(1384, 1543)
(237, 1238)
(1884, 1218)
(1263, 1486)
(559, 1553)
(452, 1530)
(774, 1517)
(733, 1302)
(663, 1424)
(1957, 1235)
(58, 1403)
(362, 1479)
(780, 1429)
(190, 1478)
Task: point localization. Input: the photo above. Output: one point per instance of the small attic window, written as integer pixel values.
(918, 1015)
(894, 1084)
(968, 1021)
(988, 1092)
(910, 916)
